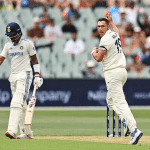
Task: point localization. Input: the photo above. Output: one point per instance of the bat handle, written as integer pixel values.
(34, 90)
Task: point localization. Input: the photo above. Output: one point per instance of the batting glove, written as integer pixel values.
(38, 81)
(32, 101)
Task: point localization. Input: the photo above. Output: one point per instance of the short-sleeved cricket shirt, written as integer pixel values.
(19, 55)
(114, 57)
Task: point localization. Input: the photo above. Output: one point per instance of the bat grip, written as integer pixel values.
(34, 90)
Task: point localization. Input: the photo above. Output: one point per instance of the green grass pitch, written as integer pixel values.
(83, 124)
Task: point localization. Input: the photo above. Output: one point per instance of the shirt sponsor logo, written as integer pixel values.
(16, 54)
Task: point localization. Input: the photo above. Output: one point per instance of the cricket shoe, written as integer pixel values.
(25, 136)
(10, 135)
(135, 136)
(126, 129)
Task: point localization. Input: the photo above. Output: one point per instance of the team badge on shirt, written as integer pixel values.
(21, 47)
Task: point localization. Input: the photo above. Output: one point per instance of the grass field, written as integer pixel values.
(72, 130)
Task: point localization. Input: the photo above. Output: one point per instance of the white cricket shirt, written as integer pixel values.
(75, 47)
(19, 55)
(114, 57)
(52, 32)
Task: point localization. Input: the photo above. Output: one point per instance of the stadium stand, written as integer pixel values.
(57, 64)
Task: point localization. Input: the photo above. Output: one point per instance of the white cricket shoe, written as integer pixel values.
(10, 135)
(135, 136)
(22, 136)
(30, 136)
(126, 129)
(25, 136)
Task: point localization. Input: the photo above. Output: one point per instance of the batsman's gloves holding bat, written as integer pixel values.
(32, 101)
(38, 81)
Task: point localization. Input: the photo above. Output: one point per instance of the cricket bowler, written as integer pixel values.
(111, 54)
(21, 51)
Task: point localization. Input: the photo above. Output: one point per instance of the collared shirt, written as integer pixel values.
(131, 14)
(19, 55)
(52, 32)
(114, 57)
(74, 47)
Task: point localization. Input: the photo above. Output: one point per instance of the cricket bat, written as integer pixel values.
(30, 109)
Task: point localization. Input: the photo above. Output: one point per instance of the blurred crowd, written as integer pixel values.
(129, 16)
(77, 3)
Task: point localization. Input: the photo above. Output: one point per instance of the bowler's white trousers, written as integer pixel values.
(115, 80)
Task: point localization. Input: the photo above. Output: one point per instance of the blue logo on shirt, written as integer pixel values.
(16, 54)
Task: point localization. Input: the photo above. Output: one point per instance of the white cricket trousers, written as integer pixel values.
(20, 85)
(115, 80)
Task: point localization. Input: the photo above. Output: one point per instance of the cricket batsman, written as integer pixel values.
(21, 51)
(111, 54)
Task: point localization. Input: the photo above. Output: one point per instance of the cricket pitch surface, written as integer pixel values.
(145, 140)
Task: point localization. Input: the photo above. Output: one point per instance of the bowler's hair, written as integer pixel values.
(103, 19)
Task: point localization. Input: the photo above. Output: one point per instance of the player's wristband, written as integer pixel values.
(93, 51)
(37, 75)
(36, 68)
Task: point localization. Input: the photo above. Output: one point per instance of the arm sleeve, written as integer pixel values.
(31, 49)
(105, 44)
(5, 51)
